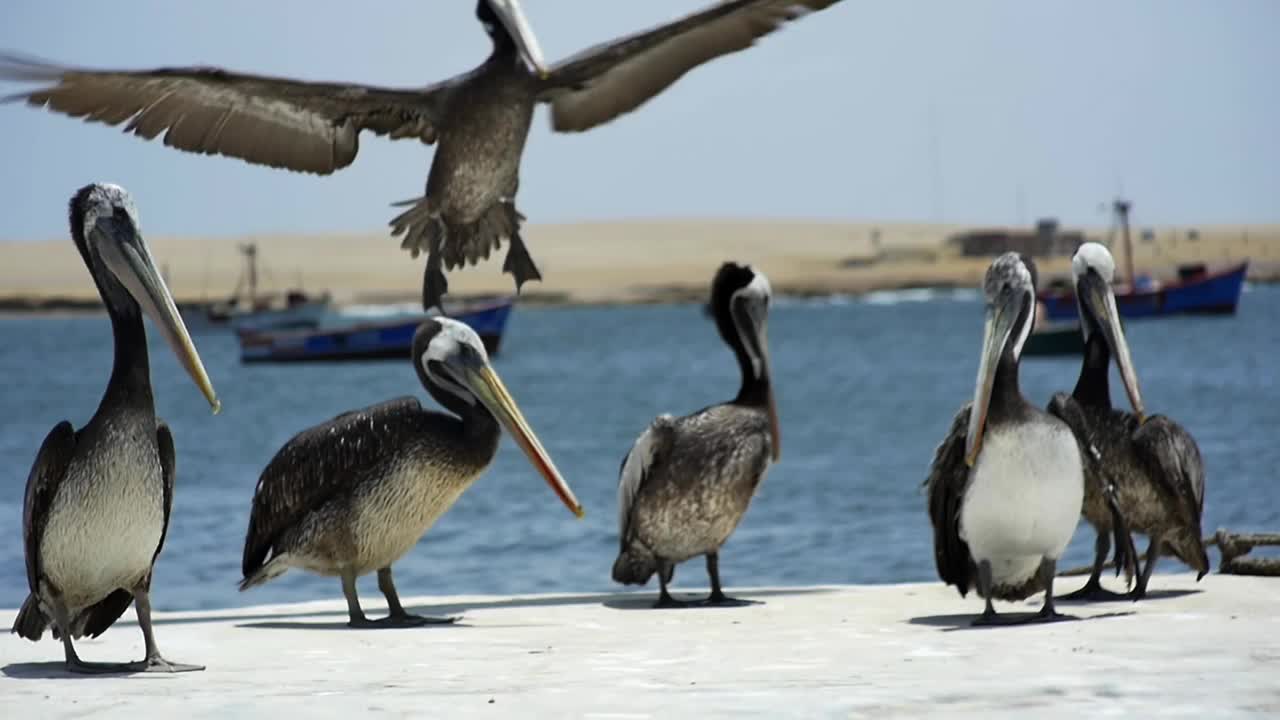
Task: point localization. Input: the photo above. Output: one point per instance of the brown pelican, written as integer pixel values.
(1006, 484)
(352, 495)
(481, 119)
(1152, 463)
(686, 482)
(98, 499)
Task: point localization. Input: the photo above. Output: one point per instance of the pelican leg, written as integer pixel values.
(989, 615)
(398, 617)
(62, 620)
(154, 662)
(665, 570)
(1153, 552)
(717, 595)
(1093, 590)
(1048, 568)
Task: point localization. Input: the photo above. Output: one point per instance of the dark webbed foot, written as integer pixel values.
(990, 618)
(77, 665)
(1094, 592)
(666, 601)
(1046, 615)
(519, 263)
(158, 664)
(719, 599)
(399, 621)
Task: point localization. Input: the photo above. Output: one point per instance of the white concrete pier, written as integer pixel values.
(1196, 650)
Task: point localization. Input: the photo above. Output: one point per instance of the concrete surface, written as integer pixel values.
(1203, 650)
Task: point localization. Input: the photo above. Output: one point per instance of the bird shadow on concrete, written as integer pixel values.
(1151, 595)
(951, 623)
(337, 618)
(54, 669)
(642, 600)
(436, 623)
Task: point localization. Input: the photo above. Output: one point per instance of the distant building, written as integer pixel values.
(1046, 240)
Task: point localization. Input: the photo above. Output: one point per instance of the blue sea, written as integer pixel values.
(867, 387)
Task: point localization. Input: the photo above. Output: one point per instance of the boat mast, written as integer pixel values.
(1122, 212)
(250, 251)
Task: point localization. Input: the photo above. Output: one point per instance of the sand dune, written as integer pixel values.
(624, 261)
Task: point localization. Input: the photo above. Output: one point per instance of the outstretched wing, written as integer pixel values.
(948, 477)
(318, 464)
(303, 126)
(653, 444)
(605, 81)
(50, 468)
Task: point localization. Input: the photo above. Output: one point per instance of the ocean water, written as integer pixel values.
(867, 387)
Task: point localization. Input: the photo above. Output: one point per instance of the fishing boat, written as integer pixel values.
(384, 340)
(254, 311)
(1061, 338)
(1196, 291)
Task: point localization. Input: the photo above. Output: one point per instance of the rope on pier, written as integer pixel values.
(1234, 548)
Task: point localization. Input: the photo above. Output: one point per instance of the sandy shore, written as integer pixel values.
(1202, 650)
(639, 261)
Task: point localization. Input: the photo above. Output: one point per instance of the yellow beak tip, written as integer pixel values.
(579, 512)
(216, 405)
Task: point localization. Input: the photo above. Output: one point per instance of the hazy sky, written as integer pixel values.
(991, 111)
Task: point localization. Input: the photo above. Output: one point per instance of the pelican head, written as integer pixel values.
(453, 361)
(740, 297)
(1093, 270)
(104, 224)
(504, 20)
(1010, 294)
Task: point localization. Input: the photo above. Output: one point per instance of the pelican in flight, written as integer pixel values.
(1152, 463)
(479, 119)
(1007, 483)
(686, 483)
(352, 495)
(98, 499)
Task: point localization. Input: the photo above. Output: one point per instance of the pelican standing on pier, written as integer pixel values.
(480, 119)
(98, 499)
(1152, 463)
(352, 495)
(1006, 484)
(687, 481)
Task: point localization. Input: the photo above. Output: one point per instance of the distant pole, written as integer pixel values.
(1122, 212)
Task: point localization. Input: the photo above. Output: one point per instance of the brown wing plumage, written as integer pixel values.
(948, 477)
(302, 126)
(47, 473)
(1173, 459)
(311, 469)
(605, 81)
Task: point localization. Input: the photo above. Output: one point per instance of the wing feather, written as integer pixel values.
(948, 478)
(318, 464)
(303, 126)
(608, 80)
(652, 444)
(47, 473)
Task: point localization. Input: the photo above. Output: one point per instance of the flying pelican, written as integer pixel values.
(686, 482)
(1006, 484)
(1152, 463)
(481, 118)
(98, 499)
(354, 494)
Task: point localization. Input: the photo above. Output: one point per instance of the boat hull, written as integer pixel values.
(389, 340)
(1214, 294)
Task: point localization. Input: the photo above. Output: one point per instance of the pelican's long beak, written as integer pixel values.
(125, 253)
(488, 387)
(996, 331)
(1098, 300)
(766, 372)
(518, 26)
